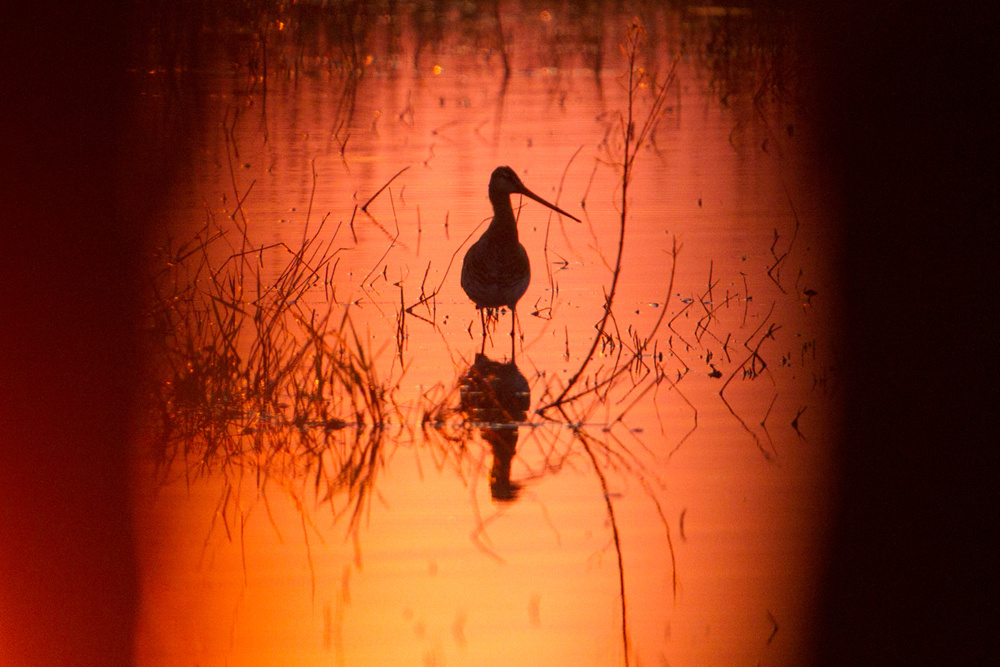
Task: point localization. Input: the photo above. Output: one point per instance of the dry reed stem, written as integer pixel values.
(635, 77)
(553, 289)
(364, 208)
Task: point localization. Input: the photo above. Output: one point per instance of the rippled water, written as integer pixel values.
(673, 513)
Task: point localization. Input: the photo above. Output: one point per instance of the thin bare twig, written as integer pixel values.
(372, 198)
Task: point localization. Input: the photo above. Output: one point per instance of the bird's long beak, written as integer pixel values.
(528, 193)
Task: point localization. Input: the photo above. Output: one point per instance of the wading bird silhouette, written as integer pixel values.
(495, 271)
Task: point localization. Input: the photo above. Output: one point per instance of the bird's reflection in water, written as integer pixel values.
(496, 397)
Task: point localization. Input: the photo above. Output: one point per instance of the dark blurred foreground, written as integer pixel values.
(68, 279)
(910, 570)
(915, 151)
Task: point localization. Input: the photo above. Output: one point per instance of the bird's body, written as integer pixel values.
(496, 271)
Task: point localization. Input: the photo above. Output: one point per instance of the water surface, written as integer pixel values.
(674, 513)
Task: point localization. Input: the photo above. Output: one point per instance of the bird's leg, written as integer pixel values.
(482, 318)
(513, 322)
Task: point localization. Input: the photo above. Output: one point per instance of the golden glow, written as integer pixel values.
(722, 498)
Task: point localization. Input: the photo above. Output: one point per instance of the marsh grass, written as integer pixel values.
(252, 378)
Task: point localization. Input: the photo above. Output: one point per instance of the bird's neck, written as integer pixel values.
(504, 223)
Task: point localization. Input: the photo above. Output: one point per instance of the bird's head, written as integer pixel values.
(505, 182)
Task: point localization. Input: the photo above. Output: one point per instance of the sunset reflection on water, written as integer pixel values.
(209, 457)
(674, 512)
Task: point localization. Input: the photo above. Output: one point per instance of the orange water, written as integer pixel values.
(719, 501)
